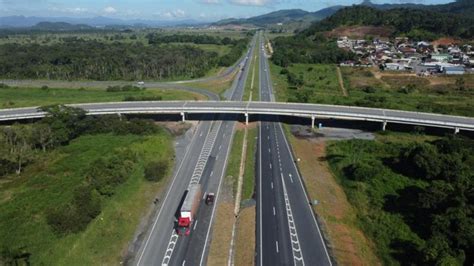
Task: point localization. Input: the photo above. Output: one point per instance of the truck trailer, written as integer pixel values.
(189, 209)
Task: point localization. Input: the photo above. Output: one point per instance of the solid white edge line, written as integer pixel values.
(306, 195)
(167, 194)
(217, 198)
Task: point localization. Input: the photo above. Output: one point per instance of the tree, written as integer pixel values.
(17, 145)
(43, 135)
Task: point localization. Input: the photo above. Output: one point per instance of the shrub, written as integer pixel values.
(75, 216)
(105, 174)
(363, 170)
(155, 171)
(284, 71)
(369, 89)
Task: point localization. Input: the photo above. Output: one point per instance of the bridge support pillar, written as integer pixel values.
(456, 130)
(183, 117)
(312, 121)
(246, 118)
(384, 125)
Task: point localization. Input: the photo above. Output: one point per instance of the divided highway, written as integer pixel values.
(204, 163)
(287, 231)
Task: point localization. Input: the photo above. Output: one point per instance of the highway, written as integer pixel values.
(287, 231)
(204, 162)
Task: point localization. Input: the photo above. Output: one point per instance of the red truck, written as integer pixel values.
(189, 209)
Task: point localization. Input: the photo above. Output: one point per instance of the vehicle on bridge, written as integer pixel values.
(189, 209)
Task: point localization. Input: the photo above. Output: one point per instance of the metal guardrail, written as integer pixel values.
(258, 108)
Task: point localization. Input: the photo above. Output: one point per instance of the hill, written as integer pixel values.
(281, 16)
(416, 23)
(60, 26)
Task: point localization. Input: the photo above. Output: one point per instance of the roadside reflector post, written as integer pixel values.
(183, 117)
(246, 118)
(384, 125)
(312, 121)
(456, 130)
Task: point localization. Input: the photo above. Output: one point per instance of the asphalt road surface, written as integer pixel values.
(287, 231)
(208, 152)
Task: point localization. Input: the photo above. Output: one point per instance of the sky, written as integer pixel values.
(204, 10)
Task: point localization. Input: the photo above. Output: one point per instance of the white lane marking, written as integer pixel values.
(291, 178)
(212, 172)
(200, 135)
(269, 150)
(271, 184)
(306, 195)
(184, 262)
(201, 261)
(170, 248)
(295, 243)
(220, 146)
(195, 224)
(276, 245)
(186, 155)
(270, 165)
(274, 212)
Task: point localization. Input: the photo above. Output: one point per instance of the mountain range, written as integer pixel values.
(296, 16)
(22, 21)
(462, 7)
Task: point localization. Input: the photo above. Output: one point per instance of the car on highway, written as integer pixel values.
(210, 198)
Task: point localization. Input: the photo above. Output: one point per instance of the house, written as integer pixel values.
(441, 57)
(456, 70)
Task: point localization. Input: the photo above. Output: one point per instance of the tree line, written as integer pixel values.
(79, 59)
(301, 49)
(156, 38)
(439, 210)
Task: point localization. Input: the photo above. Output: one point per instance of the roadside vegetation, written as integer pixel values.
(412, 195)
(73, 187)
(318, 83)
(12, 97)
(160, 57)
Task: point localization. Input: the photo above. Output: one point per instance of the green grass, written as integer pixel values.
(249, 173)
(321, 86)
(370, 197)
(253, 72)
(50, 182)
(20, 97)
(233, 164)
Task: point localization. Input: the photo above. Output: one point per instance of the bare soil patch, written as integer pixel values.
(361, 31)
(245, 238)
(222, 228)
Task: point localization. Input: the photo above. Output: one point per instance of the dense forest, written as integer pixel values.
(75, 58)
(316, 50)
(402, 20)
(417, 199)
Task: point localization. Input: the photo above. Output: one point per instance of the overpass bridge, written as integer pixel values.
(246, 109)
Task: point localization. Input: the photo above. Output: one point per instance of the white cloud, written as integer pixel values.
(213, 2)
(251, 2)
(178, 13)
(110, 10)
(73, 10)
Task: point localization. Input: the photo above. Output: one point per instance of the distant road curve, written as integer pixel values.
(254, 108)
